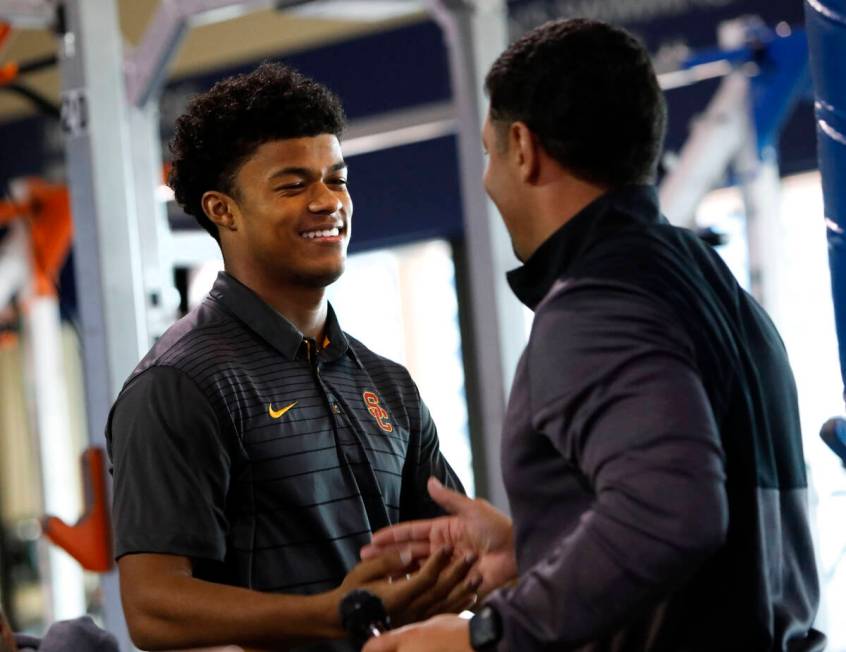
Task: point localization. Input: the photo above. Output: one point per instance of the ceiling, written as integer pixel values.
(249, 37)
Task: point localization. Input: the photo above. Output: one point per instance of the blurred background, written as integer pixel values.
(96, 260)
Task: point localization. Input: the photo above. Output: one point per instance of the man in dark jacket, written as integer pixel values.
(652, 451)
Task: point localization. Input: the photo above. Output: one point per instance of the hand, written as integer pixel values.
(475, 527)
(441, 633)
(440, 585)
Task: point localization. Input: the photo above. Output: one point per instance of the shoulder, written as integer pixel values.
(575, 304)
(586, 330)
(204, 332)
(161, 399)
(374, 363)
(173, 375)
(660, 258)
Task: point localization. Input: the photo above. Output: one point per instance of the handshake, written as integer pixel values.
(419, 569)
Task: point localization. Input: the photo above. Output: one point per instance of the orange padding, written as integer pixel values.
(51, 232)
(8, 73)
(89, 541)
(5, 30)
(48, 210)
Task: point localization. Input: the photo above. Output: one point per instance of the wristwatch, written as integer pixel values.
(485, 629)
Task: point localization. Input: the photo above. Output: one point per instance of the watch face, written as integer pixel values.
(485, 629)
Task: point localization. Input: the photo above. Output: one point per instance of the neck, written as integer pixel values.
(304, 307)
(557, 202)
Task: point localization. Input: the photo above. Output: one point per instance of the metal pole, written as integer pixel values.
(46, 382)
(717, 137)
(60, 479)
(476, 32)
(760, 185)
(147, 65)
(162, 298)
(106, 242)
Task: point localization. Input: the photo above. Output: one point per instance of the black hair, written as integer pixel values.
(222, 128)
(588, 91)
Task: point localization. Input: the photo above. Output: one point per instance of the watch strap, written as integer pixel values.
(485, 629)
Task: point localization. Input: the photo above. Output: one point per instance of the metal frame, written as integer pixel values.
(161, 297)
(402, 127)
(736, 133)
(109, 111)
(45, 381)
(14, 263)
(717, 135)
(147, 65)
(725, 138)
(109, 276)
(475, 32)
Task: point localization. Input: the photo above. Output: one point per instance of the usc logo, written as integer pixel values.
(377, 411)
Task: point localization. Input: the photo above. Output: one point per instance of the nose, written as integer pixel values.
(324, 200)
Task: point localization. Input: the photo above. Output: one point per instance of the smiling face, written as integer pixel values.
(288, 220)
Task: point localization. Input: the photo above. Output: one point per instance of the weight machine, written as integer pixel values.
(125, 251)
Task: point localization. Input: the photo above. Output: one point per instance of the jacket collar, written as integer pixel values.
(615, 209)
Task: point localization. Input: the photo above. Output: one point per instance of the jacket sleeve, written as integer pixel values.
(614, 388)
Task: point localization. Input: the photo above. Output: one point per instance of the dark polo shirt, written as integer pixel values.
(267, 460)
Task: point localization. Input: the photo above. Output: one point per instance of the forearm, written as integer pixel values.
(182, 611)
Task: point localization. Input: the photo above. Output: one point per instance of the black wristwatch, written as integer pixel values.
(485, 629)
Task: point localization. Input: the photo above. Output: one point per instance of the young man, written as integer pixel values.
(654, 462)
(257, 446)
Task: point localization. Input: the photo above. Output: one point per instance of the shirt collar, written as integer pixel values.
(632, 204)
(270, 325)
(335, 343)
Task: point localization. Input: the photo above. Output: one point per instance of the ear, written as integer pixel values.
(221, 209)
(527, 150)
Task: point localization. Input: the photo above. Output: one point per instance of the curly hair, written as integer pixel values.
(589, 93)
(222, 128)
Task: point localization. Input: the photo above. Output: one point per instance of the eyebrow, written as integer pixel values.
(305, 172)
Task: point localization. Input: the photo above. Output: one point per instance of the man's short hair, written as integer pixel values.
(588, 91)
(222, 128)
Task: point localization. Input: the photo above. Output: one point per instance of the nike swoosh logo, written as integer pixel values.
(275, 414)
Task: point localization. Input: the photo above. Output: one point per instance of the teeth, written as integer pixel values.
(328, 233)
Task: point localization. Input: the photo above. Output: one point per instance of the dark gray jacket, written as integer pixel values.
(652, 450)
